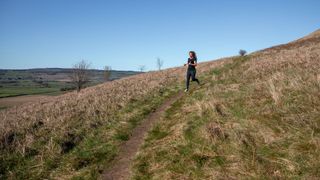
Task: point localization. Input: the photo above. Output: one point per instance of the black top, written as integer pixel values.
(192, 61)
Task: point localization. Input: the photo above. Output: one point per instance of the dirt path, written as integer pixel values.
(121, 165)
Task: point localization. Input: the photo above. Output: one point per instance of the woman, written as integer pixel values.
(191, 72)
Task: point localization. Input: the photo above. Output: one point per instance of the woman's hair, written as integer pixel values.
(193, 54)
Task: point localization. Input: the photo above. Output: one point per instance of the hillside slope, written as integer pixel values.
(256, 117)
(78, 134)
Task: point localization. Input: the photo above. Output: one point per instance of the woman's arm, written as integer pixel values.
(194, 64)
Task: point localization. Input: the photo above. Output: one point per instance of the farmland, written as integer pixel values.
(45, 82)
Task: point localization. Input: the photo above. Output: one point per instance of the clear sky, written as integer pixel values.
(127, 33)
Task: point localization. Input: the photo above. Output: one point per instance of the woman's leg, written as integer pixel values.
(193, 75)
(188, 79)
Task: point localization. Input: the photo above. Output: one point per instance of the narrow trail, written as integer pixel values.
(120, 169)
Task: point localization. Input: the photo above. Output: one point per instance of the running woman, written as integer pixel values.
(191, 71)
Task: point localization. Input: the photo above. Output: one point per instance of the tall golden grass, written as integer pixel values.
(18, 125)
(256, 118)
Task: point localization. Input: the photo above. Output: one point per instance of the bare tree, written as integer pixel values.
(159, 63)
(107, 73)
(80, 74)
(142, 68)
(242, 52)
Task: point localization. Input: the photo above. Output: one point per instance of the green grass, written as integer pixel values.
(88, 151)
(28, 87)
(260, 139)
(19, 91)
(157, 133)
(3, 107)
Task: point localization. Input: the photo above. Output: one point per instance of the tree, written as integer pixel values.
(159, 63)
(80, 74)
(242, 52)
(142, 68)
(107, 73)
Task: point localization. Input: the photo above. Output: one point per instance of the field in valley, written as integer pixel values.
(27, 85)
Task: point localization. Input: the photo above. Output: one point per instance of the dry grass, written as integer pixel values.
(99, 101)
(41, 133)
(257, 117)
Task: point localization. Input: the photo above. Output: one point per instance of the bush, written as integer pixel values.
(242, 52)
(67, 88)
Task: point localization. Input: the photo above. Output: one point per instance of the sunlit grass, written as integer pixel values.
(254, 118)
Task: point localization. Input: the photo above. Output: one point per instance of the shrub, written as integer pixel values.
(67, 88)
(242, 52)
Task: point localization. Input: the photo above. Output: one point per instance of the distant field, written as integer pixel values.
(27, 90)
(47, 81)
(26, 87)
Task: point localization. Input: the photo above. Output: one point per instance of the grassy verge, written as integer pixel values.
(237, 126)
(81, 153)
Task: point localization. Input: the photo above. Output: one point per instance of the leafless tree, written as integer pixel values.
(242, 52)
(142, 68)
(107, 73)
(80, 74)
(159, 63)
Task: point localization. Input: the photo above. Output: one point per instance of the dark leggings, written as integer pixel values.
(192, 74)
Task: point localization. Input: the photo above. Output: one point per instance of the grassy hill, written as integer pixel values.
(78, 134)
(255, 116)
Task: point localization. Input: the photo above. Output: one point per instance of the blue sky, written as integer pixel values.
(126, 34)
